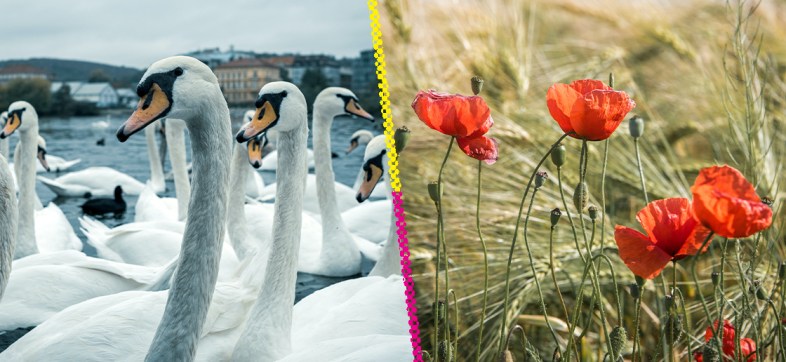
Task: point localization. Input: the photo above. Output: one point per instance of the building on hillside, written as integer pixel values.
(241, 80)
(21, 71)
(364, 79)
(214, 57)
(102, 95)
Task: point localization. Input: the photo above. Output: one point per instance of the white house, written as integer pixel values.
(103, 95)
(126, 97)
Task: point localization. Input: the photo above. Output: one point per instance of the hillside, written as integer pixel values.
(77, 70)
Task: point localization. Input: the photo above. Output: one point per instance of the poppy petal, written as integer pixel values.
(748, 349)
(669, 223)
(597, 114)
(560, 99)
(638, 252)
(725, 202)
(453, 114)
(481, 148)
(584, 86)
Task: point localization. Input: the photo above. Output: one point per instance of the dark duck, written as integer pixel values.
(105, 205)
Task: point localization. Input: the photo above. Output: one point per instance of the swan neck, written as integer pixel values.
(197, 270)
(236, 214)
(25, 173)
(176, 142)
(156, 169)
(8, 218)
(4, 147)
(389, 262)
(267, 334)
(323, 164)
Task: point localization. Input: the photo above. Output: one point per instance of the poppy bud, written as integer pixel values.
(445, 352)
(618, 338)
(710, 351)
(593, 212)
(636, 125)
(758, 290)
(673, 328)
(477, 85)
(634, 290)
(555, 215)
(782, 270)
(580, 196)
(439, 307)
(401, 138)
(540, 178)
(435, 191)
(558, 155)
(715, 276)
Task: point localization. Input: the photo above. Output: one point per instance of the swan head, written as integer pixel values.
(337, 101)
(361, 137)
(21, 116)
(374, 163)
(173, 87)
(280, 105)
(255, 146)
(41, 154)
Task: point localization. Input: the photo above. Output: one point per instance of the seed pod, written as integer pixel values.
(710, 351)
(555, 215)
(618, 338)
(636, 126)
(439, 307)
(435, 191)
(673, 328)
(477, 85)
(540, 178)
(558, 155)
(401, 138)
(445, 352)
(580, 196)
(593, 212)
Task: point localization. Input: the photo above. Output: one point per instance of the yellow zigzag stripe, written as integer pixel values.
(376, 35)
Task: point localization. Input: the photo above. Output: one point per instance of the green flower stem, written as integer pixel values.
(778, 328)
(485, 265)
(447, 285)
(603, 197)
(636, 322)
(504, 326)
(554, 273)
(440, 237)
(641, 170)
(686, 321)
(570, 217)
(452, 293)
(694, 273)
(534, 272)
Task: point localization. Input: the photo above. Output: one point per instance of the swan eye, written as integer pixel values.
(178, 71)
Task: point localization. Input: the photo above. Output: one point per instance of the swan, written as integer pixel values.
(3, 141)
(23, 117)
(149, 206)
(360, 137)
(370, 220)
(54, 163)
(101, 181)
(184, 88)
(270, 160)
(8, 217)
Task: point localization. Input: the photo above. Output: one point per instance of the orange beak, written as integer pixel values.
(154, 105)
(263, 118)
(353, 107)
(371, 177)
(11, 125)
(255, 152)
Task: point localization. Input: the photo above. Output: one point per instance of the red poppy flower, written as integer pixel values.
(588, 107)
(672, 234)
(453, 114)
(725, 202)
(747, 345)
(481, 148)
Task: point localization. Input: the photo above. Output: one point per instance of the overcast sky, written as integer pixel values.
(137, 33)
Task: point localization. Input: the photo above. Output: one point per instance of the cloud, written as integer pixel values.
(140, 32)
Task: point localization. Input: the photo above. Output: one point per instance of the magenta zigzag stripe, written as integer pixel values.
(406, 271)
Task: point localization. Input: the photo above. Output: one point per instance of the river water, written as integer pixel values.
(76, 138)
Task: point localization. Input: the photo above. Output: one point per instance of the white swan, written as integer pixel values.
(124, 331)
(360, 137)
(371, 220)
(270, 160)
(53, 163)
(149, 206)
(101, 181)
(8, 217)
(24, 119)
(4, 141)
